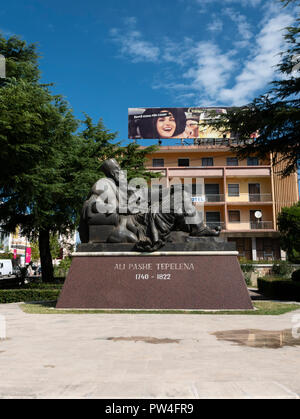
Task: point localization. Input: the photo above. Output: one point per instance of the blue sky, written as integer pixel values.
(105, 57)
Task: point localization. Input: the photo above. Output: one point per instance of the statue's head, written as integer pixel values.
(112, 170)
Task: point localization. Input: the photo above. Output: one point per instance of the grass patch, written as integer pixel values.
(262, 308)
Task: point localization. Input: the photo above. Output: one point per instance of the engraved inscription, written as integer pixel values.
(149, 271)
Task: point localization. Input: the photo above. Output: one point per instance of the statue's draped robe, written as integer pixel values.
(172, 210)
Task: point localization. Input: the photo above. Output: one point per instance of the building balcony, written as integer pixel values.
(260, 197)
(248, 171)
(215, 224)
(250, 226)
(245, 198)
(242, 226)
(216, 198)
(242, 199)
(171, 144)
(213, 171)
(261, 225)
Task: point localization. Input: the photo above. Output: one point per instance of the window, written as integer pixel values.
(234, 189)
(252, 161)
(212, 192)
(158, 162)
(254, 192)
(183, 162)
(213, 219)
(207, 161)
(234, 216)
(232, 161)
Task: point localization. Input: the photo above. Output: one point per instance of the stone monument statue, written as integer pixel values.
(149, 229)
(145, 250)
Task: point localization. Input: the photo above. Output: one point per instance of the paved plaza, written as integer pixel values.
(144, 356)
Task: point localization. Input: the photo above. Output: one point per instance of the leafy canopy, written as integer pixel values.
(289, 227)
(275, 115)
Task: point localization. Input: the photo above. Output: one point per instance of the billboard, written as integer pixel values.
(168, 123)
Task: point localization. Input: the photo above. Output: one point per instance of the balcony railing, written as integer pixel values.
(245, 197)
(214, 198)
(260, 197)
(249, 225)
(225, 142)
(208, 198)
(212, 171)
(214, 224)
(189, 142)
(261, 225)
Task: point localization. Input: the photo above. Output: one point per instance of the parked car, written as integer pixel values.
(6, 268)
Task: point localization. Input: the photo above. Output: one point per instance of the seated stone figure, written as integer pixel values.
(149, 230)
(108, 190)
(173, 211)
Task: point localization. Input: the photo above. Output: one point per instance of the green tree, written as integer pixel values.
(55, 247)
(36, 138)
(21, 59)
(275, 115)
(47, 166)
(132, 158)
(289, 227)
(35, 253)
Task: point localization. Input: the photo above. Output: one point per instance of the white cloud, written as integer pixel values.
(259, 70)
(252, 3)
(6, 32)
(243, 26)
(178, 52)
(212, 70)
(130, 21)
(131, 43)
(216, 25)
(203, 70)
(244, 3)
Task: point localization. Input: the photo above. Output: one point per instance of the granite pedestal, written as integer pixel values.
(168, 279)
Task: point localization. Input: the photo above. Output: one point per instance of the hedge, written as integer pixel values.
(42, 286)
(296, 275)
(26, 295)
(282, 289)
(14, 284)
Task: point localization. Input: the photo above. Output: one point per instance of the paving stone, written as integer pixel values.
(67, 356)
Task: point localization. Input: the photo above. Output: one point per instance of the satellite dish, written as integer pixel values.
(258, 214)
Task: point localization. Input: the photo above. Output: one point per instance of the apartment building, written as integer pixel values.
(14, 243)
(243, 197)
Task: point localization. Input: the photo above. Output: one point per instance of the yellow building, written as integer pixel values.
(244, 197)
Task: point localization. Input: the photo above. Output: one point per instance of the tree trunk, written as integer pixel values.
(45, 255)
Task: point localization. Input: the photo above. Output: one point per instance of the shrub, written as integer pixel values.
(279, 288)
(43, 286)
(26, 295)
(282, 268)
(36, 282)
(247, 269)
(296, 276)
(63, 267)
(6, 255)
